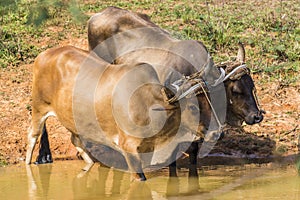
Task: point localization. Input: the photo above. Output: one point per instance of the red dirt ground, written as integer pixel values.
(276, 135)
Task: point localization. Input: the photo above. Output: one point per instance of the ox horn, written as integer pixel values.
(233, 71)
(241, 53)
(221, 78)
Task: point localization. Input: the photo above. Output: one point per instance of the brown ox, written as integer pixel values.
(123, 107)
(171, 58)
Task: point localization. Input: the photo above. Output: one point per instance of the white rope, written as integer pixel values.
(217, 82)
(193, 88)
(189, 91)
(233, 71)
(212, 108)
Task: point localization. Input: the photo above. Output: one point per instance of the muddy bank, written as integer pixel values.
(276, 136)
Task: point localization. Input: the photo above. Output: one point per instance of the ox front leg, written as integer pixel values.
(173, 165)
(135, 166)
(89, 162)
(78, 144)
(193, 151)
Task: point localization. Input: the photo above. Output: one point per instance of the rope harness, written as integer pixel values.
(195, 81)
(236, 74)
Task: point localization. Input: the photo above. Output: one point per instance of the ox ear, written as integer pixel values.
(241, 53)
(143, 16)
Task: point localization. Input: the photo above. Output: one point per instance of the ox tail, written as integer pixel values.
(44, 149)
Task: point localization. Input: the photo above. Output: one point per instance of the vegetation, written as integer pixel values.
(269, 29)
(2, 161)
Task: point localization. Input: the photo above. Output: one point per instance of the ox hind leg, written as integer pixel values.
(44, 149)
(35, 130)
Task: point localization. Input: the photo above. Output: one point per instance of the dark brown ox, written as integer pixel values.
(121, 36)
(123, 107)
(240, 90)
(242, 104)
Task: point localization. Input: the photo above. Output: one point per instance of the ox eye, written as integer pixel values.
(193, 108)
(236, 91)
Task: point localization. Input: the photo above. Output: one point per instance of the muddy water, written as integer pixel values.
(63, 180)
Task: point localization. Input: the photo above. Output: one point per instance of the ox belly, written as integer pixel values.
(162, 153)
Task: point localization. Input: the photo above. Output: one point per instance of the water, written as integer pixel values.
(63, 180)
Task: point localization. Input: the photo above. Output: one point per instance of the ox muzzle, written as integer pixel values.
(255, 117)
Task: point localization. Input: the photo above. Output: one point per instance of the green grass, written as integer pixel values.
(2, 161)
(269, 29)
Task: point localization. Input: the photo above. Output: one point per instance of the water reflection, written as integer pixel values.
(110, 184)
(107, 183)
(173, 187)
(38, 183)
(61, 181)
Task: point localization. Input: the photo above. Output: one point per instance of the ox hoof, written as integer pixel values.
(88, 167)
(81, 174)
(139, 177)
(142, 179)
(44, 160)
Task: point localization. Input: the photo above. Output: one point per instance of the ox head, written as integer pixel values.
(197, 111)
(242, 103)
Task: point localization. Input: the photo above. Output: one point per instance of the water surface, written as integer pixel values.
(64, 180)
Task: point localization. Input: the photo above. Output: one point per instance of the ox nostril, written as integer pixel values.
(258, 118)
(262, 112)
